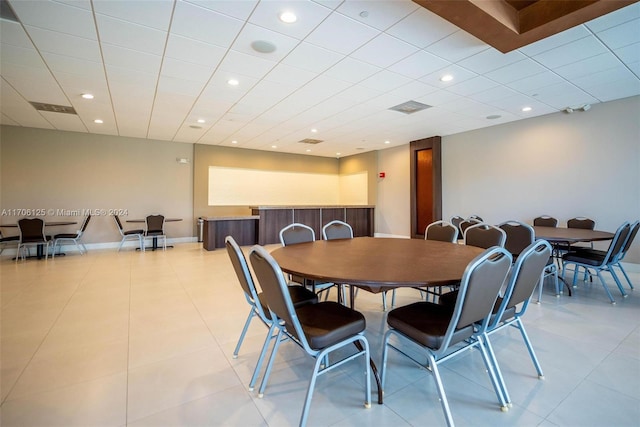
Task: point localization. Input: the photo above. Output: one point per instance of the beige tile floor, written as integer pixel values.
(146, 339)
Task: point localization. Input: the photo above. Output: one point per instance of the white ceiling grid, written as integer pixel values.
(157, 67)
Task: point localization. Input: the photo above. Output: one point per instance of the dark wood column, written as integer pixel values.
(434, 144)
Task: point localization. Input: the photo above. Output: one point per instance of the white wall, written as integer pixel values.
(394, 204)
(564, 165)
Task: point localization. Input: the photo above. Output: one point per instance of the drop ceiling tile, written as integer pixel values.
(358, 94)
(65, 64)
(131, 36)
(74, 85)
(412, 90)
(457, 46)
(384, 50)
(312, 58)
(56, 16)
(614, 18)
(531, 84)
(19, 56)
(7, 121)
(621, 35)
(185, 70)
(490, 59)
(286, 74)
(385, 81)
(155, 14)
(459, 75)
(422, 28)
(251, 33)
(419, 64)
(472, 86)
(248, 65)
(588, 66)
(131, 59)
(606, 76)
(564, 94)
(438, 98)
(18, 109)
(145, 81)
(34, 84)
(61, 121)
(351, 70)
(378, 14)
(310, 15)
(515, 104)
(494, 94)
(237, 9)
(516, 71)
(174, 85)
(571, 52)
(556, 40)
(341, 34)
(629, 54)
(611, 90)
(190, 50)
(65, 44)
(205, 25)
(12, 33)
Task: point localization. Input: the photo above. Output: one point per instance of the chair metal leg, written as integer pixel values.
(443, 397)
(604, 285)
(527, 342)
(272, 358)
(617, 280)
(243, 333)
(624, 272)
(263, 353)
(493, 369)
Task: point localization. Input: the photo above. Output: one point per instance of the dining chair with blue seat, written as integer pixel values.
(318, 329)
(441, 332)
(257, 304)
(72, 237)
(599, 261)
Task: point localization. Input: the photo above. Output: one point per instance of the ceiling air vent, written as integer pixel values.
(41, 106)
(410, 107)
(310, 141)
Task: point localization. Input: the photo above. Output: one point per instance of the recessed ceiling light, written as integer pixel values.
(364, 14)
(98, 121)
(337, 154)
(526, 109)
(263, 46)
(308, 150)
(234, 142)
(201, 121)
(233, 82)
(387, 142)
(87, 96)
(314, 130)
(274, 146)
(446, 78)
(288, 17)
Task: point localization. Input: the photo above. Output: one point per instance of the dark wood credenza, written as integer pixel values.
(244, 230)
(274, 218)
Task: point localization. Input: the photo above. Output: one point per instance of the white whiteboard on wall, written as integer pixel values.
(254, 187)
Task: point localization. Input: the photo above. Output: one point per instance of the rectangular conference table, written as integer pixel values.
(378, 262)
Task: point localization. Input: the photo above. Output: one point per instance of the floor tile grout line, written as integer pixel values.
(45, 337)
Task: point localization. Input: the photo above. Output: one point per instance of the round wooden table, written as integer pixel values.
(570, 235)
(377, 262)
(381, 262)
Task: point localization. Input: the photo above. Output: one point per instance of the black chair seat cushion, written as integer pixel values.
(66, 236)
(155, 233)
(327, 323)
(35, 239)
(426, 323)
(594, 258)
(128, 232)
(10, 239)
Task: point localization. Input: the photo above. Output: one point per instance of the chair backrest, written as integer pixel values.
(119, 224)
(466, 224)
(632, 235)
(479, 288)
(484, 236)
(617, 244)
(274, 289)
(519, 236)
(337, 230)
(155, 223)
(442, 231)
(525, 275)
(545, 221)
(31, 230)
(581, 222)
(476, 217)
(296, 233)
(245, 278)
(85, 223)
